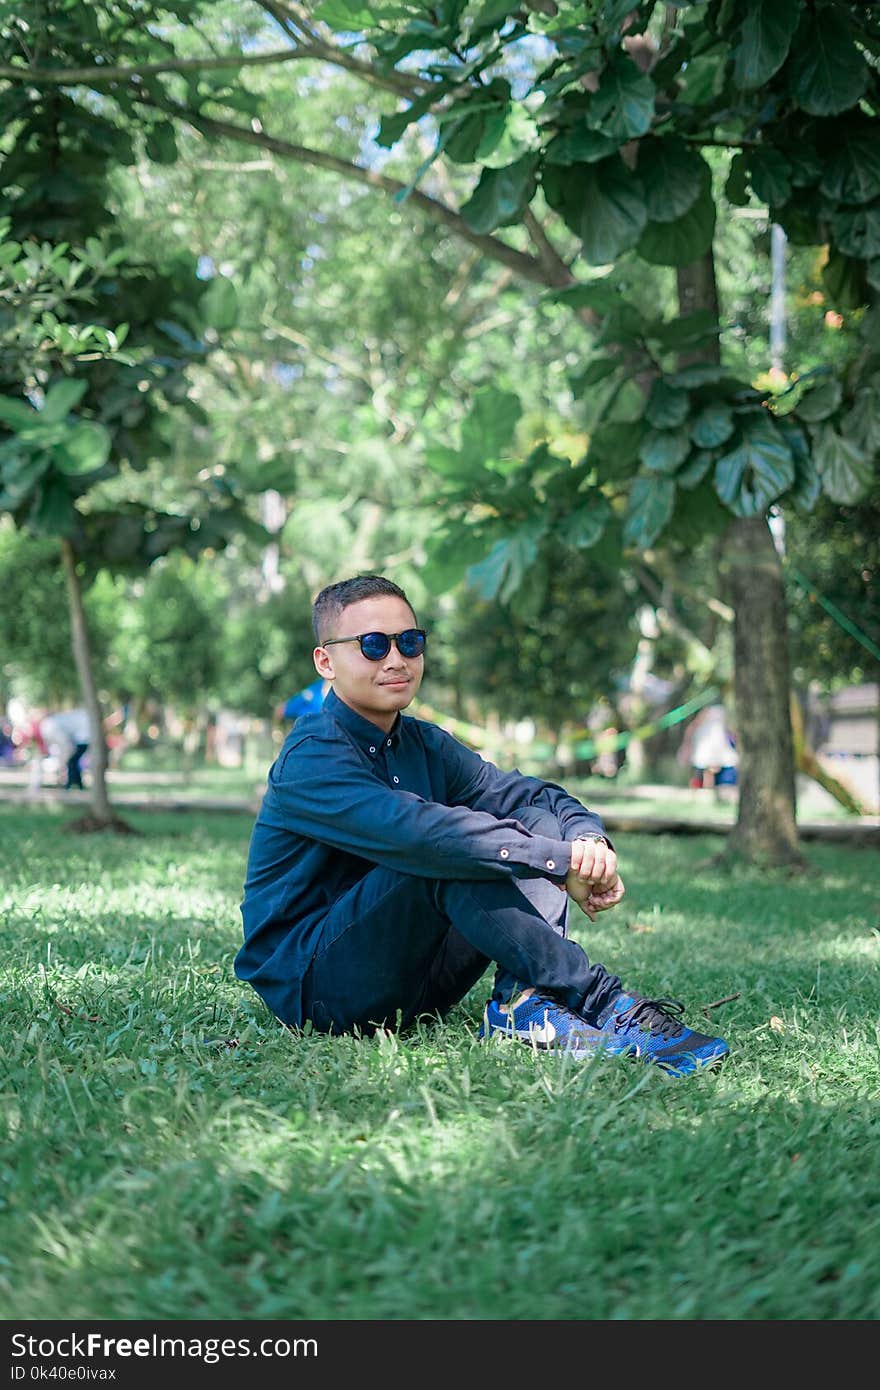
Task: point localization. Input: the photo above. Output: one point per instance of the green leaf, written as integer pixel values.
(827, 73)
(820, 399)
(596, 371)
(736, 187)
(685, 239)
(666, 406)
(53, 513)
(663, 450)
(757, 471)
(614, 449)
(507, 564)
(623, 105)
(844, 280)
(702, 78)
(162, 143)
(852, 174)
(347, 17)
(579, 145)
(489, 426)
(61, 399)
(392, 127)
(582, 527)
(257, 474)
(610, 209)
(807, 484)
(845, 471)
(449, 463)
(770, 176)
(698, 514)
(678, 335)
(474, 126)
(87, 446)
(622, 325)
(449, 552)
(219, 304)
(16, 415)
(764, 41)
(862, 423)
(600, 295)
(713, 426)
(495, 127)
(857, 231)
(492, 15)
(651, 503)
(806, 490)
(695, 469)
(501, 196)
(672, 175)
(700, 374)
(20, 472)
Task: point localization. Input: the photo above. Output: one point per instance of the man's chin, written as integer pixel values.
(399, 696)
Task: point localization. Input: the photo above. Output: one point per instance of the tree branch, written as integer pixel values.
(295, 21)
(529, 267)
(317, 51)
(95, 76)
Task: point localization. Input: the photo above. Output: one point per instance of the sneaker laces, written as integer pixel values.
(549, 1001)
(653, 1016)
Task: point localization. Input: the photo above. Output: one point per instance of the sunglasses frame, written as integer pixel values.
(389, 637)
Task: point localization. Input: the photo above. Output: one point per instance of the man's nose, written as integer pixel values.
(394, 656)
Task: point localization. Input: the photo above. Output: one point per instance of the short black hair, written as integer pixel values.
(336, 597)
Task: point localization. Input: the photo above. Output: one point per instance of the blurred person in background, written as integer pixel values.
(67, 734)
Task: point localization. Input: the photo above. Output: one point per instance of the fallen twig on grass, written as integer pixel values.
(728, 999)
(87, 1018)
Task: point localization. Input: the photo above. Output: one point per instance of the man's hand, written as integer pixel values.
(593, 881)
(594, 862)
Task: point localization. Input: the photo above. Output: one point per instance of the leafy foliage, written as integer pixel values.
(619, 150)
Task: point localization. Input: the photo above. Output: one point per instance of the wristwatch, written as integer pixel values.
(601, 839)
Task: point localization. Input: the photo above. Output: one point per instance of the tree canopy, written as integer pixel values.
(616, 166)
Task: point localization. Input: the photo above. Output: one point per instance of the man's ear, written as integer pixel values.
(323, 663)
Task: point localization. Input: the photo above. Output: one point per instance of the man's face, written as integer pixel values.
(374, 689)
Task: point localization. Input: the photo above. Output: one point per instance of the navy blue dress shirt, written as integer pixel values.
(343, 797)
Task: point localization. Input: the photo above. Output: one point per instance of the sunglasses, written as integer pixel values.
(376, 645)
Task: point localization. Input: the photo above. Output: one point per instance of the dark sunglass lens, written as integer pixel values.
(411, 643)
(375, 645)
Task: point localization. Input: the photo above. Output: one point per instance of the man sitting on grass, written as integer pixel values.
(389, 866)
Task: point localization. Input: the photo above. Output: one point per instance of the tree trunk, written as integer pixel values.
(102, 816)
(765, 831)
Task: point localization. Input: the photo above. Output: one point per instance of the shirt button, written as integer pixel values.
(505, 853)
(372, 749)
(551, 863)
(396, 779)
(389, 743)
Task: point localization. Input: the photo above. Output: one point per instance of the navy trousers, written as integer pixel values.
(396, 947)
(74, 767)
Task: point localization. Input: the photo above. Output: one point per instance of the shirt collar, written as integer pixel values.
(369, 736)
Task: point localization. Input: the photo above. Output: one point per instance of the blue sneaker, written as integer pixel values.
(541, 1021)
(651, 1029)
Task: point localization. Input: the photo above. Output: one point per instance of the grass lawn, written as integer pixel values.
(151, 1170)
